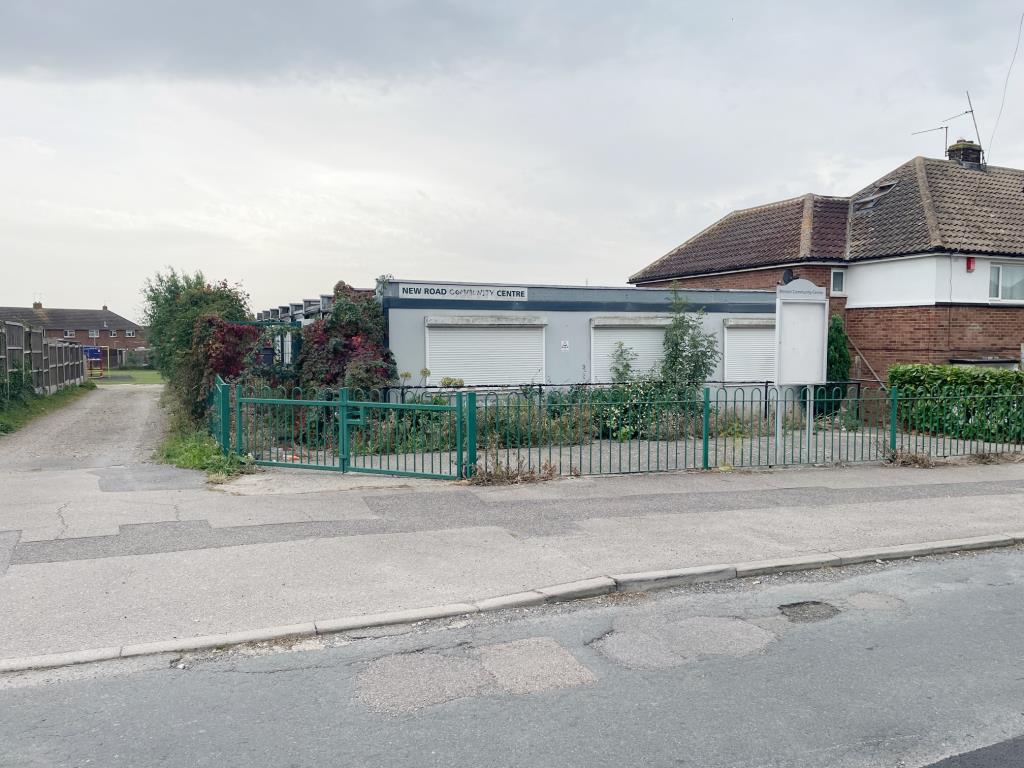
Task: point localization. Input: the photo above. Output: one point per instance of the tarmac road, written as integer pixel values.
(896, 665)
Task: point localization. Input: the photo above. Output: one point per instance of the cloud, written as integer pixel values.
(292, 145)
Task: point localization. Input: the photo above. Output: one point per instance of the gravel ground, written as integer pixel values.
(55, 440)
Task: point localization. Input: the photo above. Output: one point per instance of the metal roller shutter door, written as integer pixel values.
(648, 343)
(486, 354)
(749, 353)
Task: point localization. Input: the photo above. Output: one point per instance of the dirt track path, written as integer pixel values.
(111, 426)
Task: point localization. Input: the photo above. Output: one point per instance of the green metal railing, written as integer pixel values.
(592, 431)
(347, 430)
(609, 430)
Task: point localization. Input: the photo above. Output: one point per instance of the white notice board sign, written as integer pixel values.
(801, 333)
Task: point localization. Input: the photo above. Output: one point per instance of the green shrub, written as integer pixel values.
(829, 398)
(691, 353)
(964, 403)
(196, 449)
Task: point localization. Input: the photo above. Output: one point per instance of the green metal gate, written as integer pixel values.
(332, 430)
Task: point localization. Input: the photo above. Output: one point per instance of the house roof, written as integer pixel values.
(939, 205)
(923, 205)
(812, 227)
(67, 319)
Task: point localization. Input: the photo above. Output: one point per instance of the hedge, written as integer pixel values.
(964, 403)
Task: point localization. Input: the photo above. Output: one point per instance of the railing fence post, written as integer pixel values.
(460, 468)
(706, 428)
(239, 442)
(470, 434)
(225, 417)
(343, 429)
(894, 396)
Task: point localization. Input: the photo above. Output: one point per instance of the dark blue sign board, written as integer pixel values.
(93, 353)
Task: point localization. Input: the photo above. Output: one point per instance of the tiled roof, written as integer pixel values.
(67, 319)
(940, 205)
(924, 205)
(805, 228)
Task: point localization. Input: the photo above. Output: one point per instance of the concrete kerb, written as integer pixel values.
(586, 588)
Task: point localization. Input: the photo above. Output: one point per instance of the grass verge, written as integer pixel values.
(17, 415)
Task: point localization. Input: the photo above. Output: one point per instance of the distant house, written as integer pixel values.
(926, 264)
(89, 327)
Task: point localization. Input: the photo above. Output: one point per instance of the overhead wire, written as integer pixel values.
(1006, 83)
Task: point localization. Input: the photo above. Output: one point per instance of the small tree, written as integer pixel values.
(623, 358)
(691, 353)
(174, 301)
(837, 370)
(838, 363)
(177, 305)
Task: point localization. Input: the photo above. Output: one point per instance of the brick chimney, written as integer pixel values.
(37, 305)
(966, 152)
(104, 307)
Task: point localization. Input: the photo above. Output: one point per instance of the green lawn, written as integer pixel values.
(18, 415)
(131, 376)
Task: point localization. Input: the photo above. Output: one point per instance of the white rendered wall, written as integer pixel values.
(919, 281)
(909, 282)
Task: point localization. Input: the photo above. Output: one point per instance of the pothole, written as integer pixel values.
(808, 611)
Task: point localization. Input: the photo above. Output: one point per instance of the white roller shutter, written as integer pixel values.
(749, 353)
(646, 342)
(486, 354)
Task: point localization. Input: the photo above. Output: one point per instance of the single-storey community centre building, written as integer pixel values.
(511, 334)
(487, 333)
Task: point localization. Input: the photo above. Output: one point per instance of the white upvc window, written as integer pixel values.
(1006, 282)
(130, 333)
(94, 334)
(113, 333)
(69, 334)
(838, 282)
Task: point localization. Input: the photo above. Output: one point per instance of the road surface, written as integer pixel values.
(899, 665)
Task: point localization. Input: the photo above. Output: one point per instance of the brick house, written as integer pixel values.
(925, 264)
(88, 327)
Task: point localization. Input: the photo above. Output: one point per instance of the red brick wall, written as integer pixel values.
(889, 335)
(885, 336)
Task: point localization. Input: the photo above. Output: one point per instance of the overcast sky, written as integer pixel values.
(288, 145)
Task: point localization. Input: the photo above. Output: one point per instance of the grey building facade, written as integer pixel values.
(504, 334)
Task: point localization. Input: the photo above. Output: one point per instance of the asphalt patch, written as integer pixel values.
(808, 611)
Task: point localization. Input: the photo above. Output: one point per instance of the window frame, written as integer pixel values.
(129, 333)
(1000, 267)
(832, 282)
(94, 333)
(113, 333)
(69, 333)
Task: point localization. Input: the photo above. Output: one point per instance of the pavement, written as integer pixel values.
(100, 547)
(893, 665)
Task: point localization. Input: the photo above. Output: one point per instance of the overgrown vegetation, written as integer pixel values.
(490, 470)
(184, 313)
(190, 446)
(349, 348)
(196, 449)
(691, 353)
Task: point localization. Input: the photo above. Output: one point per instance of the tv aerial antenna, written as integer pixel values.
(945, 138)
(945, 128)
